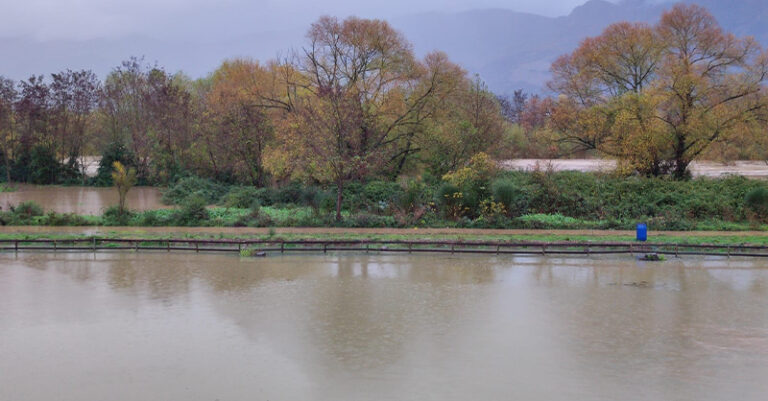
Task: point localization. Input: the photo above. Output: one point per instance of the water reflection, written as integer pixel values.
(199, 326)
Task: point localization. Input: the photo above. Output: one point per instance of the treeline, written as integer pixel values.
(355, 104)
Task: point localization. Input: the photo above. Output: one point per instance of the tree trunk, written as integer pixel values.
(7, 168)
(681, 168)
(401, 163)
(339, 190)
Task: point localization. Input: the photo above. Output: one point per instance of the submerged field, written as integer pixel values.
(380, 327)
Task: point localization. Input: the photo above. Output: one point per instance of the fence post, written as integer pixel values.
(94, 244)
(197, 247)
(544, 249)
(325, 248)
(54, 245)
(16, 245)
(282, 246)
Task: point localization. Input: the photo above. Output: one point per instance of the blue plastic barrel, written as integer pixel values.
(642, 232)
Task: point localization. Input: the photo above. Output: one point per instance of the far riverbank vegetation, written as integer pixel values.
(354, 130)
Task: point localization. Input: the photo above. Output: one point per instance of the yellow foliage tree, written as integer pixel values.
(658, 97)
(123, 179)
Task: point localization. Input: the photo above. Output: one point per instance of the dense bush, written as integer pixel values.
(289, 194)
(595, 197)
(353, 198)
(113, 217)
(24, 213)
(513, 199)
(326, 201)
(193, 211)
(378, 192)
(30, 213)
(27, 209)
(39, 165)
(370, 220)
(254, 218)
(757, 201)
(511, 196)
(449, 199)
(114, 152)
(241, 197)
(63, 219)
(206, 189)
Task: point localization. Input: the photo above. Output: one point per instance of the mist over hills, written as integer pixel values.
(512, 50)
(509, 49)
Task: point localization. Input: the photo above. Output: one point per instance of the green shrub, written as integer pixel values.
(254, 218)
(240, 197)
(63, 219)
(757, 201)
(353, 198)
(413, 196)
(114, 152)
(289, 194)
(155, 218)
(507, 193)
(44, 167)
(27, 210)
(310, 196)
(203, 188)
(193, 211)
(450, 200)
(363, 220)
(382, 191)
(327, 201)
(551, 221)
(266, 196)
(113, 217)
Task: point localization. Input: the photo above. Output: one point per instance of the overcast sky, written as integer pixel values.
(92, 19)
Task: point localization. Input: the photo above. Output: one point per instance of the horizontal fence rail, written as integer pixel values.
(263, 246)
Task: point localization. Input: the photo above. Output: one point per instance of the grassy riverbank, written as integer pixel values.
(705, 237)
(298, 216)
(500, 200)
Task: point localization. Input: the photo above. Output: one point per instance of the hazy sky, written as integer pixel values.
(90, 19)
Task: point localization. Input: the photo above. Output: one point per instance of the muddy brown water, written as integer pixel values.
(126, 326)
(80, 200)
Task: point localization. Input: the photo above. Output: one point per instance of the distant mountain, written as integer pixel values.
(512, 50)
(509, 49)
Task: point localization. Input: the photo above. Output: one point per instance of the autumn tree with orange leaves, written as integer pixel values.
(243, 120)
(657, 97)
(358, 99)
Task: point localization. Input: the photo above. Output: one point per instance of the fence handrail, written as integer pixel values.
(552, 244)
(95, 243)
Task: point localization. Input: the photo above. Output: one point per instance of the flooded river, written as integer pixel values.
(80, 200)
(126, 326)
